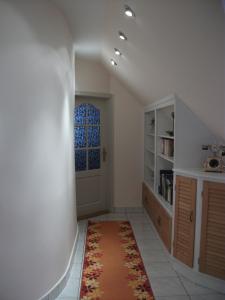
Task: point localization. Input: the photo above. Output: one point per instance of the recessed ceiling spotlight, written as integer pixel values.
(122, 36)
(113, 63)
(117, 52)
(129, 12)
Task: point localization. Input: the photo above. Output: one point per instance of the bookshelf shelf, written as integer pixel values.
(168, 158)
(150, 150)
(151, 168)
(166, 137)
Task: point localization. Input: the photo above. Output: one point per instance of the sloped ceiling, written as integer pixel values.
(173, 46)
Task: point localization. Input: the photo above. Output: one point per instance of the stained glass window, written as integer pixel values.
(87, 136)
(80, 160)
(80, 137)
(93, 115)
(94, 159)
(94, 136)
(80, 115)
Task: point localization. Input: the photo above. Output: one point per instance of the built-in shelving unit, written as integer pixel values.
(159, 145)
(173, 139)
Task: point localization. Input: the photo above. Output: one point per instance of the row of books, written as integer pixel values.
(167, 147)
(166, 185)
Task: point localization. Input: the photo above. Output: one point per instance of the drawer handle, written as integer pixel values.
(191, 216)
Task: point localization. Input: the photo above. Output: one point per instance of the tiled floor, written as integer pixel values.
(166, 283)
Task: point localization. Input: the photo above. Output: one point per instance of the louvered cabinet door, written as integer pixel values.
(184, 225)
(166, 231)
(212, 253)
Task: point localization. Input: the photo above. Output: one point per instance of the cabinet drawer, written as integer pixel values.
(166, 229)
(161, 220)
(146, 198)
(163, 224)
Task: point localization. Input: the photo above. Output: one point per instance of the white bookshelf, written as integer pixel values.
(149, 155)
(155, 159)
(183, 130)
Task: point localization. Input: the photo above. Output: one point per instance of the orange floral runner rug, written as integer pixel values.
(113, 268)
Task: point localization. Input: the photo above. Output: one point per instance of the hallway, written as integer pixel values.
(166, 283)
(159, 142)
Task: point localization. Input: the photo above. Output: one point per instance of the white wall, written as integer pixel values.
(127, 134)
(37, 205)
(91, 76)
(128, 144)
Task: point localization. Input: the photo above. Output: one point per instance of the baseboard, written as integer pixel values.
(127, 210)
(56, 290)
(96, 214)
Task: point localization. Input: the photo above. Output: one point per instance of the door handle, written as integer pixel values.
(104, 154)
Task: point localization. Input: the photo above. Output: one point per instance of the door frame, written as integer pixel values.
(108, 98)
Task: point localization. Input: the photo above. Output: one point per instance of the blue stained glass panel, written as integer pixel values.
(93, 115)
(80, 137)
(94, 136)
(80, 160)
(80, 114)
(94, 159)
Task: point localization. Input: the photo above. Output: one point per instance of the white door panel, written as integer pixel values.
(90, 153)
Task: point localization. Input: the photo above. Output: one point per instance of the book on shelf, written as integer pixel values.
(167, 147)
(166, 185)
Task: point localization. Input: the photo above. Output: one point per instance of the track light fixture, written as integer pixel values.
(122, 36)
(113, 63)
(117, 52)
(129, 12)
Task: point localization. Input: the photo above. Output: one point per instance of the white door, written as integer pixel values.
(91, 156)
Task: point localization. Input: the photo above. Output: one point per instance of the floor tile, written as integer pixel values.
(209, 297)
(78, 257)
(68, 298)
(145, 230)
(149, 244)
(152, 245)
(141, 226)
(167, 286)
(116, 217)
(194, 289)
(72, 289)
(154, 256)
(173, 298)
(160, 269)
(146, 235)
(75, 272)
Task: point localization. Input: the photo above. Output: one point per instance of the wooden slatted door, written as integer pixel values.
(212, 254)
(184, 225)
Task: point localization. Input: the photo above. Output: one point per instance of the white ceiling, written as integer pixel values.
(174, 46)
